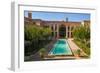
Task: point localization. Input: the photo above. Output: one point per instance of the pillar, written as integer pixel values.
(70, 32)
(57, 31)
(54, 30)
(66, 31)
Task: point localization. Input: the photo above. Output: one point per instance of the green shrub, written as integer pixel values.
(37, 36)
(42, 52)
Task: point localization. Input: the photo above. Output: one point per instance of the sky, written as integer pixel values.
(58, 16)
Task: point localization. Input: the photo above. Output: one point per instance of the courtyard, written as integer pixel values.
(56, 40)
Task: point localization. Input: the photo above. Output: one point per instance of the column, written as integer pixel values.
(70, 32)
(57, 31)
(54, 30)
(66, 31)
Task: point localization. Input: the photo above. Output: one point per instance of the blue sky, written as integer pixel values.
(58, 16)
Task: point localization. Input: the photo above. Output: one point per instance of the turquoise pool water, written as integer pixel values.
(61, 47)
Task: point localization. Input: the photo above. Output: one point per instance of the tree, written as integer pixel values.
(35, 32)
(82, 33)
(81, 37)
(37, 35)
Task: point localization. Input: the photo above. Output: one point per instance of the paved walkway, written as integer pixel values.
(74, 49)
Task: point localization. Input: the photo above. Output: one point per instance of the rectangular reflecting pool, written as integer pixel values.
(61, 47)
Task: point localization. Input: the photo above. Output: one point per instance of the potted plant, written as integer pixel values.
(78, 52)
(42, 52)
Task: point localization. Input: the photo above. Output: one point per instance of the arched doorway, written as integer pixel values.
(62, 31)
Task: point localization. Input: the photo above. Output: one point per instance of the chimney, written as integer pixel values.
(66, 19)
(30, 15)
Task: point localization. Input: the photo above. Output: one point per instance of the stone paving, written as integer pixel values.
(74, 49)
